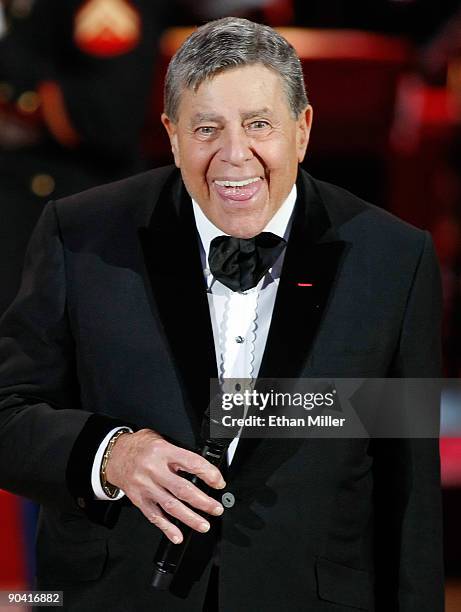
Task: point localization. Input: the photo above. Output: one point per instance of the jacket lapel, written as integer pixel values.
(311, 265)
(177, 289)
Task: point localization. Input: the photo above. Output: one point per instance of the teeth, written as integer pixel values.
(237, 183)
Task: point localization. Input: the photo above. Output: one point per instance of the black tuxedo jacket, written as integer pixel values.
(111, 325)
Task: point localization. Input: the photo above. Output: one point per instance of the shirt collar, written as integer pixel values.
(278, 225)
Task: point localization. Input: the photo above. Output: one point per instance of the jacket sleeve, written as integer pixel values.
(47, 442)
(408, 516)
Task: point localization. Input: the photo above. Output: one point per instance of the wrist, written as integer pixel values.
(111, 490)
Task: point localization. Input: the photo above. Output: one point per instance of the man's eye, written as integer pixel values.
(258, 125)
(205, 130)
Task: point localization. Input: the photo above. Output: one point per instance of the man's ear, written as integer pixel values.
(172, 132)
(304, 124)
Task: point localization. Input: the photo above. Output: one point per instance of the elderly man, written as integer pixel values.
(136, 293)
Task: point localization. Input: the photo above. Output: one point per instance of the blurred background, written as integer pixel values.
(80, 100)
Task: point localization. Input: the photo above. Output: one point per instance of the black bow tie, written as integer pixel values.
(240, 263)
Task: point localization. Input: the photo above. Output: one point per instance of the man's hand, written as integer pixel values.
(145, 467)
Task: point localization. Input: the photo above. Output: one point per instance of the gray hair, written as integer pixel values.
(228, 43)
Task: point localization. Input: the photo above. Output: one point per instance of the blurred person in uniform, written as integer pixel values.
(75, 79)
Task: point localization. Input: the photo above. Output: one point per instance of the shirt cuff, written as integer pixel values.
(96, 470)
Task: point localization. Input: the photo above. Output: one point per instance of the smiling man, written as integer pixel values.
(238, 155)
(234, 264)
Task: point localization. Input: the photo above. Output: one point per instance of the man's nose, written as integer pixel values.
(236, 148)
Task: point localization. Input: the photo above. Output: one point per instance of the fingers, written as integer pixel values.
(186, 515)
(155, 516)
(159, 506)
(185, 491)
(195, 464)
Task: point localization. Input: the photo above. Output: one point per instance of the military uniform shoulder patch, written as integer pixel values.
(107, 28)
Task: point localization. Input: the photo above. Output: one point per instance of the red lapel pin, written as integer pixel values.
(305, 284)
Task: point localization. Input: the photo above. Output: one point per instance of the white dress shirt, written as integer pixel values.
(240, 321)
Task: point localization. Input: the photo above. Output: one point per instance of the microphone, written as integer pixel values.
(169, 556)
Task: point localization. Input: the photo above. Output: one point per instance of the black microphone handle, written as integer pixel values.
(169, 555)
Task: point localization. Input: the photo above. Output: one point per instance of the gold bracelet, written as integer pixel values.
(109, 489)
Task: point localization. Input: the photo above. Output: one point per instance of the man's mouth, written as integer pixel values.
(239, 191)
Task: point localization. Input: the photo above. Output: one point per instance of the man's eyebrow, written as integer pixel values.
(214, 117)
(256, 113)
(203, 117)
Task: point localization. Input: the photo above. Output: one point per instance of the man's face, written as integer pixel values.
(238, 147)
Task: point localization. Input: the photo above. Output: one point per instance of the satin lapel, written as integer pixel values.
(309, 271)
(172, 257)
